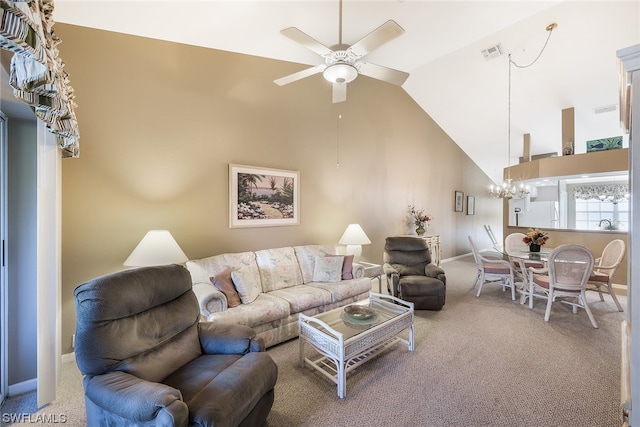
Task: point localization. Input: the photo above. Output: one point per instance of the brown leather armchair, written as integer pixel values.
(410, 274)
(147, 360)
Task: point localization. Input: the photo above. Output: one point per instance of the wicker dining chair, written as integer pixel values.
(493, 271)
(512, 243)
(565, 278)
(601, 278)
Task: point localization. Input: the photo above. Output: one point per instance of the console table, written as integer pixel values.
(433, 241)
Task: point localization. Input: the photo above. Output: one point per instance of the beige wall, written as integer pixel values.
(160, 122)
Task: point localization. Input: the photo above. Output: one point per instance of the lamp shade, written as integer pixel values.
(354, 235)
(157, 247)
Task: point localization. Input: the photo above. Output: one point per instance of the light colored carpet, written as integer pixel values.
(485, 361)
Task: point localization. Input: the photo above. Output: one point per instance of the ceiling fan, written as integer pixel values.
(343, 63)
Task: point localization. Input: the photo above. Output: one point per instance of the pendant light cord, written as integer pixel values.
(509, 123)
(550, 29)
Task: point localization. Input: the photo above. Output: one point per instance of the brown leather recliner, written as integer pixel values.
(147, 360)
(410, 274)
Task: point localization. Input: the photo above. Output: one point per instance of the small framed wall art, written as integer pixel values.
(459, 201)
(471, 205)
(262, 197)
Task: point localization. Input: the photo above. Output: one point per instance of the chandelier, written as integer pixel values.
(509, 190)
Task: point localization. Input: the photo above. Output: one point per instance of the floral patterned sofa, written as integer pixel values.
(267, 289)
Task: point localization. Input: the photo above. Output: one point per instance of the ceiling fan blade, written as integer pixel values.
(379, 72)
(381, 35)
(306, 40)
(339, 92)
(300, 75)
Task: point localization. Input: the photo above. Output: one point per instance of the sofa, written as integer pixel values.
(267, 289)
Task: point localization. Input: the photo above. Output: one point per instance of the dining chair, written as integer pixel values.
(513, 243)
(601, 278)
(492, 270)
(565, 277)
(496, 245)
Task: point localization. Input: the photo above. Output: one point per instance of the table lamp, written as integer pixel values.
(354, 236)
(157, 247)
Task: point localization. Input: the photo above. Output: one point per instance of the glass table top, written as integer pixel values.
(340, 321)
(543, 255)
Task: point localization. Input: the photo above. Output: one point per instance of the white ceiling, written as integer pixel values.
(441, 49)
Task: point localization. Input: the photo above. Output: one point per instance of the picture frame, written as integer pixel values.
(263, 197)
(471, 205)
(459, 201)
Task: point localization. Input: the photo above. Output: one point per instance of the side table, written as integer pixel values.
(373, 271)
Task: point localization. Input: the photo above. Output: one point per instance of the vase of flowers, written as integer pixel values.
(419, 219)
(535, 238)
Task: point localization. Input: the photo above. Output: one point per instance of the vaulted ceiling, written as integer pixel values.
(465, 93)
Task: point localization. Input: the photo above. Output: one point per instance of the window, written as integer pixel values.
(594, 214)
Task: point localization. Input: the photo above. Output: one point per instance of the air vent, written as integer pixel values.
(605, 109)
(492, 52)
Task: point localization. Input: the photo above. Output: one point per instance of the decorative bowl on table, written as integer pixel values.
(359, 312)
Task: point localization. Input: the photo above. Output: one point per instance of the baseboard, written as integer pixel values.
(68, 357)
(442, 261)
(32, 385)
(619, 289)
(23, 387)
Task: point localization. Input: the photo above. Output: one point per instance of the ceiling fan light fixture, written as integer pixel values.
(340, 73)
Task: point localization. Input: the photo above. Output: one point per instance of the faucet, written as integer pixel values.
(606, 221)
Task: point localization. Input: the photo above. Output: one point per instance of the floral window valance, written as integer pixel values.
(605, 192)
(37, 75)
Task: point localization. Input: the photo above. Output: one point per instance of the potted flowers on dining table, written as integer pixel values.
(419, 219)
(535, 238)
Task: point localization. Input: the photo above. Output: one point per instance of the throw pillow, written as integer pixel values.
(347, 266)
(245, 285)
(328, 269)
(222, 282)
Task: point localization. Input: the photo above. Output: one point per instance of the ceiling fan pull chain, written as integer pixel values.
(338, 142)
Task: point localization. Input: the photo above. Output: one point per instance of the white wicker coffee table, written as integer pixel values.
(345, 342)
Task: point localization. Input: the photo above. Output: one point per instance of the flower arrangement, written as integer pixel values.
(418, 216)
(535, 236)
(419, 219)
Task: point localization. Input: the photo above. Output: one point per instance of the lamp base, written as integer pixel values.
(355, 250)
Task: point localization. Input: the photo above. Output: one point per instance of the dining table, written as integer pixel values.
(521, 256)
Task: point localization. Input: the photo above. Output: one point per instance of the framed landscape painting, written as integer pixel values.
(262, 197)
